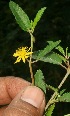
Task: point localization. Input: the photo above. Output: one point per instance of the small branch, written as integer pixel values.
(34, 61)
(50, 101)
(60, 85)
(64, 79)
(63, 66)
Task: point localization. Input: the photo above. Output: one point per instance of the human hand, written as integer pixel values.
(18, 98)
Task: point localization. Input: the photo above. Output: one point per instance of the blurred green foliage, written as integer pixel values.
(54, 25)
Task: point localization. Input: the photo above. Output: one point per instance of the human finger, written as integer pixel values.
(29, 102)
(10, 86)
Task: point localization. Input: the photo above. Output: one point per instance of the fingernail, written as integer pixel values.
(33, 95)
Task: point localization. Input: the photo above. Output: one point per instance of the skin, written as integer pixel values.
(19, 98)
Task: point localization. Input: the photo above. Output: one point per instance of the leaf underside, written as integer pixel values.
(51, 57)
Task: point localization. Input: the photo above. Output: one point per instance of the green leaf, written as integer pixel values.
(62, 91)
(39, 80)
(38, 16)
(68, 54)
(51, 57)
(48, 49)
(50, 110)
(20, 16)
(63, 58)
(67, 115)
(65, 97)
(60, 50)
(52, 88)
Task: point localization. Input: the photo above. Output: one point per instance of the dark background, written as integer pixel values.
(54, 25)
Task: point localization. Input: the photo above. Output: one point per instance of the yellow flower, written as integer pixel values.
(22, 54)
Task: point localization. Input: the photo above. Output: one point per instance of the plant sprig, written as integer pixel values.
(45, 55)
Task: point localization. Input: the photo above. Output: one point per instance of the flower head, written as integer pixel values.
(22, 54)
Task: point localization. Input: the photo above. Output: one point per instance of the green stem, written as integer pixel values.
(60, 85)
(30, 62)
(31, 42)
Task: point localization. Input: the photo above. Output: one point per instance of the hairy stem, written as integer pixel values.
(65, 77)
(30, 62)
(63, 66)
(60, 85)
(31, 72)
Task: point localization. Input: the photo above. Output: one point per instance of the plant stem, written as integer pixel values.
(65, 77)
(60, 85)
(63, 66)
(31, 72)
(30, 62)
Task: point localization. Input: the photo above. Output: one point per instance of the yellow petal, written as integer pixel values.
(23, 59)
(18, 59)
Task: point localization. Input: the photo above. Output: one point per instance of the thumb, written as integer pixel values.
(29, 102)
